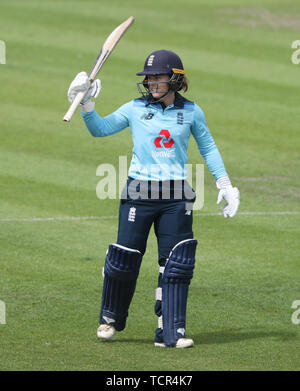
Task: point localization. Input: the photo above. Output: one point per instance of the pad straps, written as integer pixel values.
(175, 284)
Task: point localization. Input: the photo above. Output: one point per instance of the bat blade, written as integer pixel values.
(105, 51)
(109, 45)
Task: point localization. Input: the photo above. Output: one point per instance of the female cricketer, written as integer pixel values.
(161, 122)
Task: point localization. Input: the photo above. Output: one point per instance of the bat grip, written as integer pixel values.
(74, 105)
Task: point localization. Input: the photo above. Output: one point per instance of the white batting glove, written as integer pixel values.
(230, 194)
(82, 83)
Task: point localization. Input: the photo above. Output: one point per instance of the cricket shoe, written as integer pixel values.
(106, 331)
(181, 343)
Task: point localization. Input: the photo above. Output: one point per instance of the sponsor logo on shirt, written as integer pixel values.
(164, 139)
(164, 144)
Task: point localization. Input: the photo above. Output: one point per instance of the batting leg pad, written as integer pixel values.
(121, 270)
(175, 284)
(158, 297)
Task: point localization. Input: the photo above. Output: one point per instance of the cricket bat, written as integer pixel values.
(105, 51)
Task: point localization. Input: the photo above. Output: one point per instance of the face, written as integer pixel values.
(158, 85)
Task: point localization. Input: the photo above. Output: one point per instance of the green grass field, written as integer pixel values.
(237, 54)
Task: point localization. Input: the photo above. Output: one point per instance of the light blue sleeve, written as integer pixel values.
(206, 145)
(110, 124)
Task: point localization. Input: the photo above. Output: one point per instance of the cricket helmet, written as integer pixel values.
(164, 62)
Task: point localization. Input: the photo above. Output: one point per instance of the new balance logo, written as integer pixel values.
(131, 214)
(148, 116)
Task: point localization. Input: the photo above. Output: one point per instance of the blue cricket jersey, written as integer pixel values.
(160, 137)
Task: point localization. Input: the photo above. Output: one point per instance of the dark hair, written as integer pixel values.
(185, 84)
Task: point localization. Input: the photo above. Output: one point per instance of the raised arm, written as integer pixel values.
(98, 126)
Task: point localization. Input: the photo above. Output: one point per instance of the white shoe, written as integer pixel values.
(106, 331)
(181, 343)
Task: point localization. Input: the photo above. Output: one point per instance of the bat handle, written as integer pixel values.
(74, 105)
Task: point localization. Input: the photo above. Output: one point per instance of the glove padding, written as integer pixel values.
(232, 197)
(82, 83)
